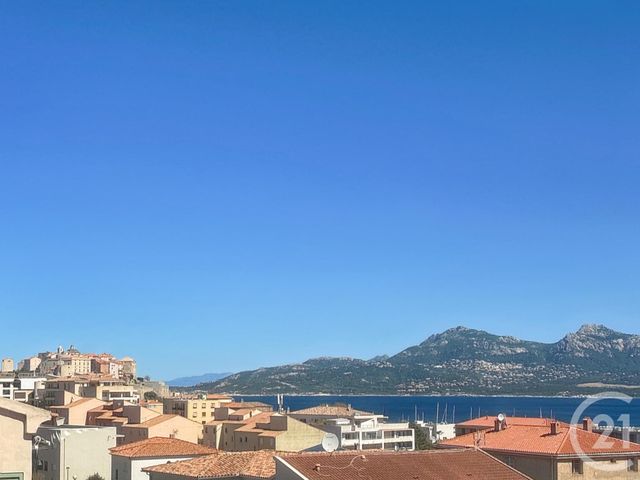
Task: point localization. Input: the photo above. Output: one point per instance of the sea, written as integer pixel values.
(622, 410)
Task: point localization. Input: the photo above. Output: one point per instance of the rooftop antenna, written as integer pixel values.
(478, 412)
(471, 413)
(540, 412)
(454, 414)
(437, 412)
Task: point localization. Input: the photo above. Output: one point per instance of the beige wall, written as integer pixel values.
(138, 414)
(18, 424)
(177, 427)
(299, 436)
(16, 450)
(545, 468)
(7, 365)
(604, 469)
(538, 468)
(201, 411)
(77, 414)
(293, 436)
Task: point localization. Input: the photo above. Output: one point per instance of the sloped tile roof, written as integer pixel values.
(489, 422)
(331, 410)
(529, 439)
(381, 465)
(259, 464)
(160, 447)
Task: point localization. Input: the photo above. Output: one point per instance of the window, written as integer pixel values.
(576, 467)
(204, 414)
(116, 474)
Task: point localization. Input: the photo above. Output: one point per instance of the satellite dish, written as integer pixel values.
(502, 417)
(330, 442)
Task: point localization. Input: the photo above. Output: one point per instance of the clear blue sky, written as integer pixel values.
(222, 185)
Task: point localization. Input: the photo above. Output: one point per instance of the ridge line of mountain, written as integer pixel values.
(462, 361)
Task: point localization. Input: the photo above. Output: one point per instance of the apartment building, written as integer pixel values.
(127, 461)
(19, 423)
(22, 387)
(75, 413)
(357, 429)
(119, 413)
(251, 430)
(73, 452)
(380, 465)
(199, 408)
(135, 422)
(555, 450)
(63, 390)
(170, 426)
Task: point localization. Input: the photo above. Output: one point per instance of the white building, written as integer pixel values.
(438, 431)
(22, 389)
(71, 452)
(127, 461)
(358, 430)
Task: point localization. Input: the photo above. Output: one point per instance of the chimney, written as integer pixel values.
(317, 467)
(497, 425)
(554, 428)
(587, 424)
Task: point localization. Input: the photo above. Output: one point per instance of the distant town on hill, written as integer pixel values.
(462, 361)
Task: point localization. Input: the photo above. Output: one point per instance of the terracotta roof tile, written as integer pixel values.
(381, 465)
(258, 464)
(331, 410)
(489, 422)
(528, 439)
(156, 421)
(236, 405)
(160, 447)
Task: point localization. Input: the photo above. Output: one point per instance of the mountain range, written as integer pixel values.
(462, 361)
(197, 379)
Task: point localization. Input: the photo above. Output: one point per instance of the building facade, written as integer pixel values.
(21, 387)
(73, 452)
(554, 450)
(6, 365)
(19, 424)
(198, 408)
(358, 430)
(128, 461)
